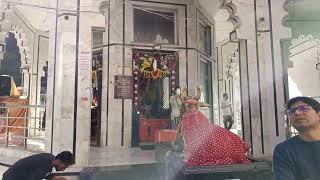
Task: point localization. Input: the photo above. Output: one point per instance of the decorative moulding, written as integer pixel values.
(103, 5)
(303, 43)
(232, 10)
(22, 43)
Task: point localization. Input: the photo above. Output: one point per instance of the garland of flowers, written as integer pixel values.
(153, 66)
(155, 74)
(148, 72)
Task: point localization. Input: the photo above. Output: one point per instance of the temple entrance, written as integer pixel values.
(96, 86)
(155, 76)
(96, 90)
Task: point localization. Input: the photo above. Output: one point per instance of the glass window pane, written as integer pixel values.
(154, 26)
(205, 42)
(206, 81)
(97, 39)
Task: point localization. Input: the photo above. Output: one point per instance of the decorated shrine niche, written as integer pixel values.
(96, 97)
(155, 75)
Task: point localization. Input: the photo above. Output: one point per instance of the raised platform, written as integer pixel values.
(137, 164)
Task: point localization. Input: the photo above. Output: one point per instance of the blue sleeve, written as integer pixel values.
(282, 164)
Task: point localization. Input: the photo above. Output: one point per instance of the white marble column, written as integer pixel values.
(104, 9)
(191, 73)
(84, 84)
(115, 110)
(61, 101)
(26, 76)
(265, 87)
(245, 92)
(112, 109)
(61, 82)
(280, 33)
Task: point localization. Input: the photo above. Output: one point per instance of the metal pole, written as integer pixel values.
(54, 74)
(7, 129)
(75, 111)
(26, 130)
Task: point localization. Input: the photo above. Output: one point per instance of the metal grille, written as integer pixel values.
(29, 133)
(166, 93)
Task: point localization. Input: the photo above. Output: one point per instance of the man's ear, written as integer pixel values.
(54, 161)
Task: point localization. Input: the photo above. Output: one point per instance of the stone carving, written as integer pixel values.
(304, 46)
(103, 6)
(232, 64)
(232, 10)
(303, 38)
(22, 44)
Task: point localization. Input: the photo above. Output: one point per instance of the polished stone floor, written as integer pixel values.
(98, 156)
(120, 156)
(134, 164)
(104, 157)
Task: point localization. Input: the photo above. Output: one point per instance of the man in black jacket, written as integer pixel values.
(38, 166)
(298, 158)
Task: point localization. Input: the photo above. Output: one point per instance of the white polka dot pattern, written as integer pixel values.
(208, 144)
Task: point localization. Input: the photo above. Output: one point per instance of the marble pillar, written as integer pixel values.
(62, 76)
(61, 83)
(116, 67)
(116, 113)
(263, 91)
(26, 81)
(104, 9)
(192, 59)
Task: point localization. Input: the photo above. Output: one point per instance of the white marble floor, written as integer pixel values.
(120, 156)
(98, 156)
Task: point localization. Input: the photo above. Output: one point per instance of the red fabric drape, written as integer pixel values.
(207, 144)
